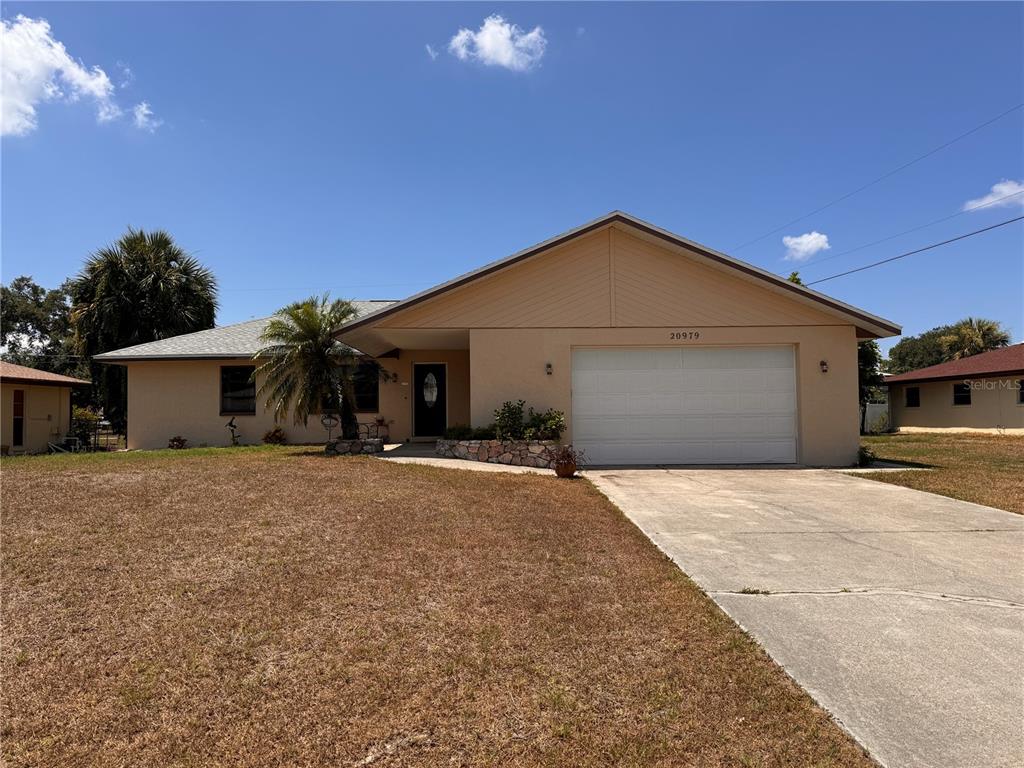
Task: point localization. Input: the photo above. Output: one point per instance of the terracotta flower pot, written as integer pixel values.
(565, 469)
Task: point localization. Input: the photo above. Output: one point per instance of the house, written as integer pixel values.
(658, 350)
(35, 408)
(979, 393)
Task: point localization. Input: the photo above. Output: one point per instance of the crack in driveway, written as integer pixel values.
(993, 602)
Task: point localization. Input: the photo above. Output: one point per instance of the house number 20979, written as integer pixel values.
(684, 335)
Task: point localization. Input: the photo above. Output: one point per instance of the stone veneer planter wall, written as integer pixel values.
(519, 453)
(347, 447)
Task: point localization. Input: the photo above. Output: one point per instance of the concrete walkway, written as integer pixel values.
(901, 612)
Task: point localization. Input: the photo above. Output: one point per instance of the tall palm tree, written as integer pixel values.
(973, 336)
(142, 288)
(306, 369)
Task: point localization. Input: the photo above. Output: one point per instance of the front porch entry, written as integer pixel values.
(430, 399)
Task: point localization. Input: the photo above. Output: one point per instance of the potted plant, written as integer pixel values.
(565, 459)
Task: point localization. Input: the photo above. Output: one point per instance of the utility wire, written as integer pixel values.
(815, 262)
(919, 250)
(883, 177)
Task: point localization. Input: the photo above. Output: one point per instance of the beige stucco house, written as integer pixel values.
(658, 350)
(35, 408)
(981, 393)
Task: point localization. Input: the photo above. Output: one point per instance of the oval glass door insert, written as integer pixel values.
(429, 390)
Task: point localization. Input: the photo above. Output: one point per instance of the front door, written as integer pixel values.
(430, 399)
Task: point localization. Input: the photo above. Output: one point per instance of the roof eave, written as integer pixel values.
(44, 382)
(956, 377)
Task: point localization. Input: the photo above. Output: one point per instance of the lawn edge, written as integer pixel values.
(743, 629)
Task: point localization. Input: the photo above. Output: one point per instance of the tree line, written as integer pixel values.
(142, 288)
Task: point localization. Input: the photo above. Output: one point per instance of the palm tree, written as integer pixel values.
(973, 336)
(142, 288)
(306, 368)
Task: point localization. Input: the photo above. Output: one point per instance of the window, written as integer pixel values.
(18, 427)
(913, 397)
(961, 394)
(237, 389)
(366, 383)
(1020, 392)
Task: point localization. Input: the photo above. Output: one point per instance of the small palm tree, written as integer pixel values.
(972, 336)
(306, 369)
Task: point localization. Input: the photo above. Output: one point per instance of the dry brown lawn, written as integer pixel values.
(985, 469)
(261, 607)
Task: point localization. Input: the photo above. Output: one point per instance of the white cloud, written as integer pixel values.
(127, 76)
(499, 43)
(802, 247)
(142, 117)
(431, 52)
(1002, 195)
(36, 68)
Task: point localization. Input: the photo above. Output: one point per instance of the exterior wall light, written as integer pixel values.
(548, 369)
(824, 366)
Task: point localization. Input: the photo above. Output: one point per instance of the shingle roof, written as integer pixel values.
(12, 372)
(238, 340)
(998, 361)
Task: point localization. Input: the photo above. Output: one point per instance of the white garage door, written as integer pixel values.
(711, 405)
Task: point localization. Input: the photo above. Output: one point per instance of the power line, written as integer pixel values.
(814, 262)
(919, 250)
(883, 177)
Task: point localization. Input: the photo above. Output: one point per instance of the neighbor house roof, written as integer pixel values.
(875, 325)
(21, 374)
(241, 340)
(1003, 361)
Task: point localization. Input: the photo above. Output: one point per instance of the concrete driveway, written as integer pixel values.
(901, 612)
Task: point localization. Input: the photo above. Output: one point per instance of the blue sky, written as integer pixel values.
(299, 148)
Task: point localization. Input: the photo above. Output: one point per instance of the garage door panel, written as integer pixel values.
(728, 405)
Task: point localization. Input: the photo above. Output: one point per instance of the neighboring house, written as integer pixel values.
(658, 350)
(979, 393)
(35, 408)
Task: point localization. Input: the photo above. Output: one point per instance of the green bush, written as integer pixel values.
(508, 420)
(275, 436)
(544, 426)
(865, 457)
(466, 432)
(83, 424)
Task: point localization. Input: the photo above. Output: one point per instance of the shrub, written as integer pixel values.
(565, 459)
(83, 424)
(865, 456)
(275, 436)
(177, 442)
(544, 426)
(508, 420)
(466, 432)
